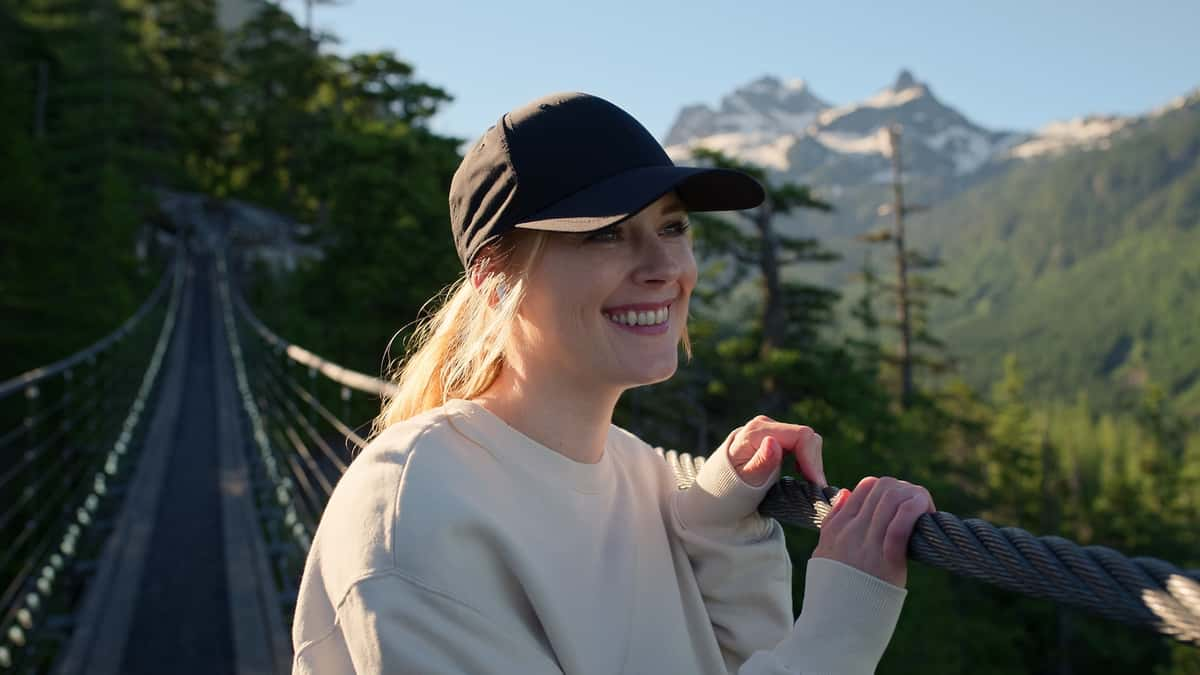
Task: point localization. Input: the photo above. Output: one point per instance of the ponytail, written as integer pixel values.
(458, 350)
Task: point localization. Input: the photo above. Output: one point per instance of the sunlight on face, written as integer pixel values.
(583, 280)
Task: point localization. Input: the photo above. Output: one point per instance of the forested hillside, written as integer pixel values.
(1087, 267)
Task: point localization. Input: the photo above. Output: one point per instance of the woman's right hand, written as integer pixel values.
(869, 527)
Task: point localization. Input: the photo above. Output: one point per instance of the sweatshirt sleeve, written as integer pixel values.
(739, 559)
(745, 577)
(393, 623)
(846, 624)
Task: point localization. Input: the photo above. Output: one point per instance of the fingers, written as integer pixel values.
(869, 528)
(763, 463)
(851, 504)
(896, 493)
(836, 505)
(809, 460)
(798, 440)
(871, 504)
(899, 530)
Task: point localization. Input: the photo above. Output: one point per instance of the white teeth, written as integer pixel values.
(632, 318)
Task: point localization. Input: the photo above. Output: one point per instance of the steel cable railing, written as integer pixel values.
(64, 463)
(1141, 591)
(1144, 592)
(290, 414)
(304, 468)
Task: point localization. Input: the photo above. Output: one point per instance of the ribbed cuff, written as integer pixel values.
(719, 497)
(847, 621)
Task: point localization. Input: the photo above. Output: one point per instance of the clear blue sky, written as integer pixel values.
(1012, 64)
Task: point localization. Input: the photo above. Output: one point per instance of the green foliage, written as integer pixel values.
(71, 129)
(380, 219)
(1088, 267)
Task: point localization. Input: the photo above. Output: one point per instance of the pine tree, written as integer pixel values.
(792, 311)
(911, 295)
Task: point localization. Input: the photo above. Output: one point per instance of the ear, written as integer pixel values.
(477, 277)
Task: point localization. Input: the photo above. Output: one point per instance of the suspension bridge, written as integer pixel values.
(159, 491)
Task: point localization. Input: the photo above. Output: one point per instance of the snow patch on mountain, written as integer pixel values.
(886, 98)
(968, 148)
(869, 144)
(1058, 137)
(759, 148)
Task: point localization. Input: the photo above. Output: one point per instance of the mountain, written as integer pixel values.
(789, 129)
(842, 151)
(1076, 246)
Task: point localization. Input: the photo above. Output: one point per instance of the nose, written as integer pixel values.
(658, 262)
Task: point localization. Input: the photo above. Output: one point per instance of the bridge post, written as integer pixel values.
(310, 414)
(64, 424)
(89, 385)
(32, 397)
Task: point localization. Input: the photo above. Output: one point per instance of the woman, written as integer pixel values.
(498, 522)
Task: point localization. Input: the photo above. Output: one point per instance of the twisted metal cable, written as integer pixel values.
(1144, 592)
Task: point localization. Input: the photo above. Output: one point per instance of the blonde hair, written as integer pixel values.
(458, 350)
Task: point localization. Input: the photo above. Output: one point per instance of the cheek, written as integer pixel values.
(690, 271)
(580, 292)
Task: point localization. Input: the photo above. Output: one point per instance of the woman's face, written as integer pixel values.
(609, 307)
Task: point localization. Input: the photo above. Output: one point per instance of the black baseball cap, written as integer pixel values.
(573, 162)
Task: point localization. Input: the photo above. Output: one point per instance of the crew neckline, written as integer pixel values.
(510, 446)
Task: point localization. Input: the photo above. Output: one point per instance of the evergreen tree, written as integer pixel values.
(911, 295)
(791, 312)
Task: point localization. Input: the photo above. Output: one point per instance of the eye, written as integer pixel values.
(607, 234)
(677, 228)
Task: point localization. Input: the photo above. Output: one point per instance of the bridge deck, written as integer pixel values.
(183, 585)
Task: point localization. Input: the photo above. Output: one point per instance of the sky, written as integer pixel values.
(1011, 64)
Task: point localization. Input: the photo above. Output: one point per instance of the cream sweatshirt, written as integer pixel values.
(456, 544)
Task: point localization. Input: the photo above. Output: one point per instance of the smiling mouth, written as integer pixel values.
(640, 318)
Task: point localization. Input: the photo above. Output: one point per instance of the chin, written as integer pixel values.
(659, 371)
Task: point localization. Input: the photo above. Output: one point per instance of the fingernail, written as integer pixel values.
(841, 498)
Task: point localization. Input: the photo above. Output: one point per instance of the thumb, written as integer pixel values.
(756, 471)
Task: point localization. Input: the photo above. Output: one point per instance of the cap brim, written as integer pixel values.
(615, 199)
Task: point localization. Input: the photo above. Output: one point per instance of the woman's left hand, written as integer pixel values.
(757, 448)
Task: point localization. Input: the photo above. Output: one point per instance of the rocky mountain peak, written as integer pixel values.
(784, 126)
(904, 80)
(767, 106)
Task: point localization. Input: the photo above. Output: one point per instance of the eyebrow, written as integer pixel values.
(682, 215)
